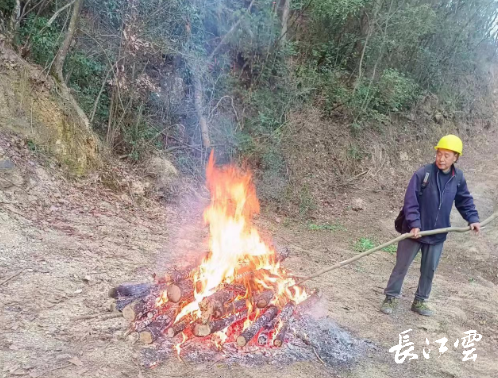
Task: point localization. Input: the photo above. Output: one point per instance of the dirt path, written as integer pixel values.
(72, 242)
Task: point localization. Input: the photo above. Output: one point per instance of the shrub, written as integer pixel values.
(44, 40)
(395, 92)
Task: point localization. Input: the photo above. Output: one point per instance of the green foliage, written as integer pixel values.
(85, 76)
(138, 140)
(359, 61)
(307, 203)
(364, 244)
(44, 40)
(336, 10)
(391, 249)
(326, 227)
(395, 92)
(6, 7)
(32, 146)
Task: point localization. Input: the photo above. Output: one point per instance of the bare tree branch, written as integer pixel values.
(229, 33)
(56, 14)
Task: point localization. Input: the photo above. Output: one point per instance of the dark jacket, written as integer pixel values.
(430, 208)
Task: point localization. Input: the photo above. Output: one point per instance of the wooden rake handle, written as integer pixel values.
(399, 238)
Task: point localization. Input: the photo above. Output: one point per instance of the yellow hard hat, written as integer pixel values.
(450, 142)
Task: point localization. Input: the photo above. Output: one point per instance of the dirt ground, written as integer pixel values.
(70, 242)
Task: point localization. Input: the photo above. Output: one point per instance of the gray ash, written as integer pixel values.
(309, 339)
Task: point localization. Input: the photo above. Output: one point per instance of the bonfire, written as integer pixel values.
(236, 293)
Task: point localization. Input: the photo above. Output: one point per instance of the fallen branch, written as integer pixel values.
(98, 316)
(10, 278)
(396, 240)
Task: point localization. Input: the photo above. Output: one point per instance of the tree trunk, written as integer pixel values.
(285, 20)
(64, 49)
(198, 103)
(9, 26)
(60, 59)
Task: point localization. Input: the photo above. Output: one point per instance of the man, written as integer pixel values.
(427, 206)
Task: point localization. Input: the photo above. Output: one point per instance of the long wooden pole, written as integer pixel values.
(398, 239)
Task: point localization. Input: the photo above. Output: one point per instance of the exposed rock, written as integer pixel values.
(9, 174)
(438, 118)
(358, 204)
(6, 164)
(164, 173)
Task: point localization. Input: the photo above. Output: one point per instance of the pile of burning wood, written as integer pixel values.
(239, 312)
(238, 292)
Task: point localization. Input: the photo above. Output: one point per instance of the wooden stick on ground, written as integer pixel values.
(10, 278)
(398, 239)
(103, 316)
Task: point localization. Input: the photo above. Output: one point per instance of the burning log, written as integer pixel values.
(214, 305)
(264, 335)
(176, 328)
(202, 330)
(285, 316)
(254, 328)
(264, 299)
(156, 329)
(233, 307)
(180, 291)
(177, 276)
(135, 310)
(308, 303)
(130, 290)
(244, 274)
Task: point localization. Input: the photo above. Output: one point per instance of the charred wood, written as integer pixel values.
(156, 328)
(176, 328)
(201, 330)
(254, 328)
(180, 291)
(136, 310)
(284, 320)
(264, 298)
(130, 290)
(232, 308)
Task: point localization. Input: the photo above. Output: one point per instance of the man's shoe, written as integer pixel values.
(421, 308)
(389, 304)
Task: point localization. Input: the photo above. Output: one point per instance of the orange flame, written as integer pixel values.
(219, 338)
(178, 348)
(236, 246)
(163, 299)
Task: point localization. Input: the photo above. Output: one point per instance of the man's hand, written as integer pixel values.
(476, 227)
(415, 233)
